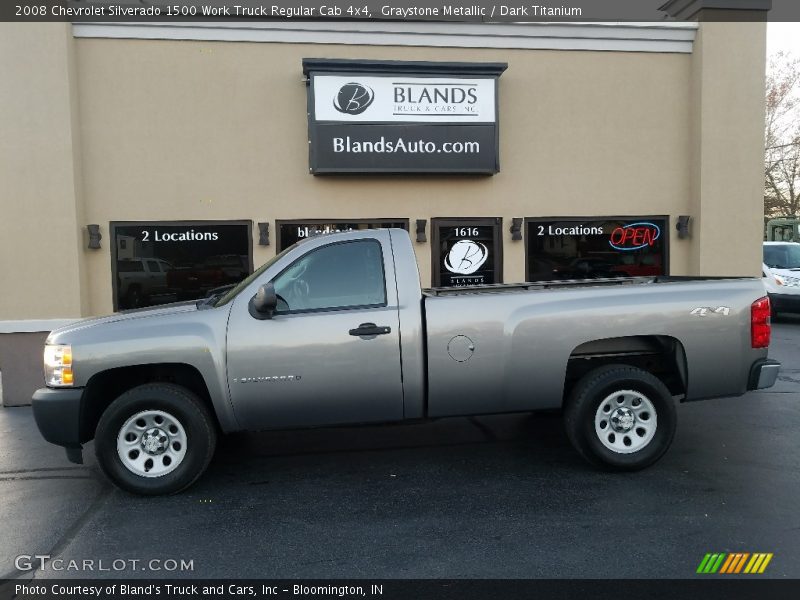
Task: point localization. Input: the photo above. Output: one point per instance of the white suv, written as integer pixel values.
(781, 274)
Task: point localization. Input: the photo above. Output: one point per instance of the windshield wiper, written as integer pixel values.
(214, 294)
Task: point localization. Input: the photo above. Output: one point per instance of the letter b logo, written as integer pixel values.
(353, 98)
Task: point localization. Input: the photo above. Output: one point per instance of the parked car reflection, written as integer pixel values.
(141, 281)
(585, 268)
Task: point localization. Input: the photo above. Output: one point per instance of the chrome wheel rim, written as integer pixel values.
(625, 421)
(151, 443)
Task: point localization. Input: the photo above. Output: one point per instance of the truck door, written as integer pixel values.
(331, 352)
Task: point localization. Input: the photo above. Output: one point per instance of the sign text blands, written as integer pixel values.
(393, 99)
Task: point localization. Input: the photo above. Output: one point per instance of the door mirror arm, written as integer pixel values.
(262, 306)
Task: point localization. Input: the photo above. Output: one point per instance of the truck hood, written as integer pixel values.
(125, 315)
(785, 272)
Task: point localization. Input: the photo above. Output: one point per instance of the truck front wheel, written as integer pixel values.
(155, 439)
(620, 417)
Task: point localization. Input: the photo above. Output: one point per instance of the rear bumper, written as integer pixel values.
(763, 374)
(58, 416)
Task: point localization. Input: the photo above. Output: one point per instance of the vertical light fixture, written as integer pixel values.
(94, 236)
(422, 224)
(263, 234)
(682, 226)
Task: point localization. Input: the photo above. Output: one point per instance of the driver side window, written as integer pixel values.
(347, 274)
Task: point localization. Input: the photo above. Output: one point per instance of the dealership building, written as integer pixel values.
(150, 163)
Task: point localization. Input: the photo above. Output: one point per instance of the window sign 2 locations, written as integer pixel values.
(402, 117)
(169, 261)
(179, 236)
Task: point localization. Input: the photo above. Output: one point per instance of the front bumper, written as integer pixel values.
(763, 374)
(58, 415)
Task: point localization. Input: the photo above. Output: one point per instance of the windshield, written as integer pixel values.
(247, 280)
(782, 256)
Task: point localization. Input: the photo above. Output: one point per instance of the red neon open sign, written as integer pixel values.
(634, 236)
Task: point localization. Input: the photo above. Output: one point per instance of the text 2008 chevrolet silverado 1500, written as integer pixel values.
(336, 330)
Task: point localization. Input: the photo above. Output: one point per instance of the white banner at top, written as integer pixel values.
(398, 98)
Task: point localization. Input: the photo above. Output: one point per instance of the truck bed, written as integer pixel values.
(569, 283)
(506, 347)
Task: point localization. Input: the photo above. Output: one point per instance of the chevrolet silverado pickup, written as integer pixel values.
(336, 330)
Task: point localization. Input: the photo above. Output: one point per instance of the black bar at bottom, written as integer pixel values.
(708, 587)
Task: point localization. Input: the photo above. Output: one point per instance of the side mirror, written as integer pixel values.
(262, 305)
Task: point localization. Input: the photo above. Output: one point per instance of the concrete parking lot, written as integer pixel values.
(490, 497)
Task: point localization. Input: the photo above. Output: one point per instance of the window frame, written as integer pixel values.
(497, 245)
(112, 231)
(585, 219)
(385, 302)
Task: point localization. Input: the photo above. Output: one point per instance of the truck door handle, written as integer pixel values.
(370, 329)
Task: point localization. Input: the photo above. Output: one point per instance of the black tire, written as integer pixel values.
(584, 403)
(192, 414)
(134, 298)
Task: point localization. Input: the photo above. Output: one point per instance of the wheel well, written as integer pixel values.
(662, 356)
(105, 387)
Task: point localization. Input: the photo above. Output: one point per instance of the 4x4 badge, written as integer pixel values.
(703, 311)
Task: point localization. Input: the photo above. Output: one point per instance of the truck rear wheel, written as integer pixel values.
(155, 439)
(620, 417)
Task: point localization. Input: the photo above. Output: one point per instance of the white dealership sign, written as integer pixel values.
(369, 116)
(399, 98)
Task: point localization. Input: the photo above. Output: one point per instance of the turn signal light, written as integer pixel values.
(760, 326)
(58, 365)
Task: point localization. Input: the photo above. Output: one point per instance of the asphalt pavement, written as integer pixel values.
(489, 497)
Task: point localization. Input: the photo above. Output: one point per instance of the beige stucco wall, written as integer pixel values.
(194, 130)
(727, 124)
(40, 177)
(179, 130)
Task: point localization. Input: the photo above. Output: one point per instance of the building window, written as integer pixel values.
(168, 261)
(592, 248)
(466, 251)
(290, 232)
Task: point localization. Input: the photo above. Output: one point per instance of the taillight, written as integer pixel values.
(760, 323)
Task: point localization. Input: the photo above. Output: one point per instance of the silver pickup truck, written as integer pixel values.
(336, 330)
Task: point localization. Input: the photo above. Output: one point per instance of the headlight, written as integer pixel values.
(791, 281)
(58, 365)
(787, 281)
